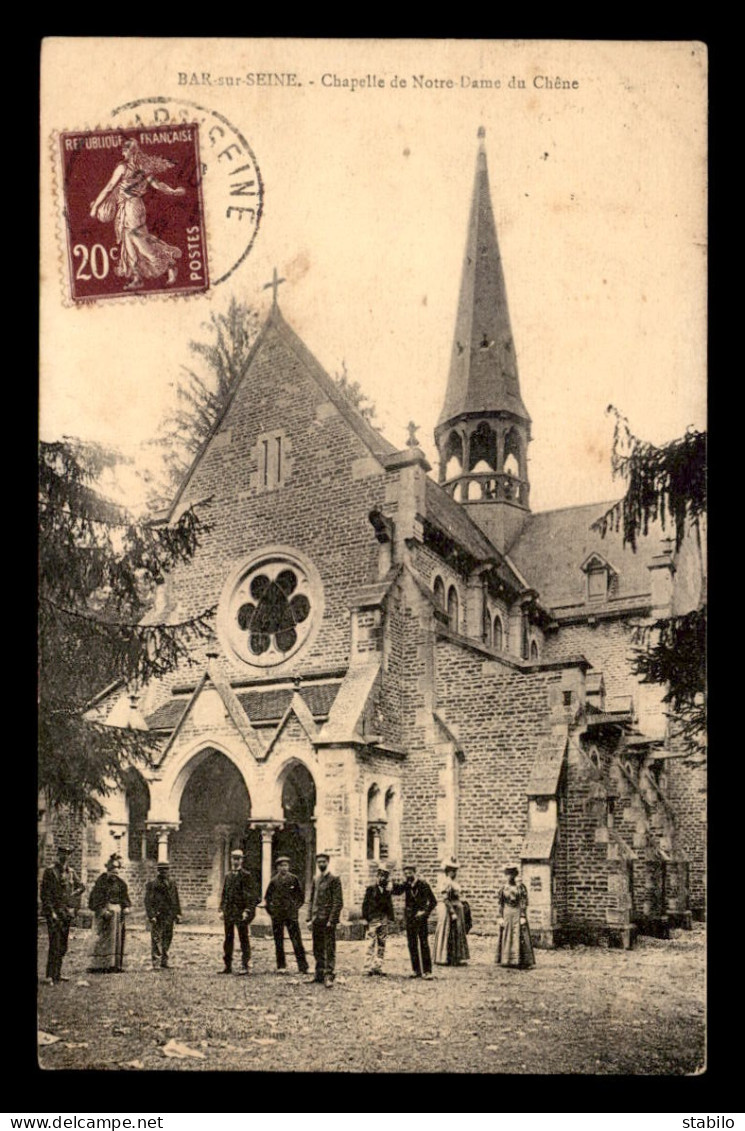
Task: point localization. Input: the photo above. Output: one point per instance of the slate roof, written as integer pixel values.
(270, 706)
(261, 706)
(552, 545)
(454, 520)
(483, 367)
(276, 324)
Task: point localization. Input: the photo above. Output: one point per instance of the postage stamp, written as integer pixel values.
(134, 211)
(231, 178)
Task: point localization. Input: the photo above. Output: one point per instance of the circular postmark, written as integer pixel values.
(231, 180)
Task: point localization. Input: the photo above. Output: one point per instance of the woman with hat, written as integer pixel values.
(514, 946)
(109, 900)
(451, 942)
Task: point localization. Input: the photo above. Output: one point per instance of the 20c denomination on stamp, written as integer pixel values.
(134, 211)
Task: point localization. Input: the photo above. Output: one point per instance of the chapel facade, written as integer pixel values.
(407, 667)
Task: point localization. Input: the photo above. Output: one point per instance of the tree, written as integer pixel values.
(354, 394)
(98, 572)
(666, 483)
(202, 397)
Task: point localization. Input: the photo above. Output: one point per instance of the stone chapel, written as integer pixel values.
(407, 667)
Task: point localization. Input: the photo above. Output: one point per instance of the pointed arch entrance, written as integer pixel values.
(297, 837)
(214, 809)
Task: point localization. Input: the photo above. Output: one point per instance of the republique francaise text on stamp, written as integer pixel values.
(134, 212)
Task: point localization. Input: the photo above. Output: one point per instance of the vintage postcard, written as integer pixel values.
(340, 635)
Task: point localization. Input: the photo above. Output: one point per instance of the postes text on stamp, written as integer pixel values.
(134, 212)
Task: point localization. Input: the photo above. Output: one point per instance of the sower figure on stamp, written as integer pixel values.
(283, 899)
(238, 908)
(163, 909)
(419, 904)
(60, 888)
(141, 254)
(377, 909)
(325, 908)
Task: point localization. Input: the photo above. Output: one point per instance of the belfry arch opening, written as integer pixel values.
(452, 456)
(511, 464)
(214, 811)
(482, 449)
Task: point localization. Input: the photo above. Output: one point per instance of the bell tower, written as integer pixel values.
(483, 432)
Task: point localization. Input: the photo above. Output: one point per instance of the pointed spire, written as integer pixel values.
(483, 368)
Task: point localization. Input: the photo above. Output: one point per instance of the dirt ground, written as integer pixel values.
(581, 1010)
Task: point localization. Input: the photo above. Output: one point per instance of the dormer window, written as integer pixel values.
(597, 584)
(600, 576)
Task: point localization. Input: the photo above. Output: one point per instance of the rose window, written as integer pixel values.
(272, 615)
(270, 608)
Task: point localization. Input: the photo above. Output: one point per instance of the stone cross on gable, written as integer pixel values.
(275, 283)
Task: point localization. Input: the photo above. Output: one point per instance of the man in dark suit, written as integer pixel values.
(323, 915)
(163, 909)
(60, 888)
(283, 900)
(377, 909)
(238, 908)
(419, 905)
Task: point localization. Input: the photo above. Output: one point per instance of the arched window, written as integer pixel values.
(512, 452)
(498, 633)
(439, 593)
(453, 608)
(525, 642)
(482, 449)
(375, 821)
(453, 456)
(533, 650)
(390, 834)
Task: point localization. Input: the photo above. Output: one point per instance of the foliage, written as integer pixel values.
(354, 394)
(672, 651)
(666, 484)
(202, 398)
(98, 574)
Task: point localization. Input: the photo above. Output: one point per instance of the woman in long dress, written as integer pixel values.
(109, 900)
(451, 942)
(514, 945)
(141, 255)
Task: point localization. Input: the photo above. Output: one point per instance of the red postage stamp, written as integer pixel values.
(134, 212)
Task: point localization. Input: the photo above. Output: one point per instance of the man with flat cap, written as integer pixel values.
(60, 888)
(377, 909)
(238, 908)
(324, 909)
(163, 909)
(419, 904)
(283, 899)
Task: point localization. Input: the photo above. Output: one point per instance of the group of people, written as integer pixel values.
(110, 902)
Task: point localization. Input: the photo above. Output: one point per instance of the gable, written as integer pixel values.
(312, 522)
(280, 375)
